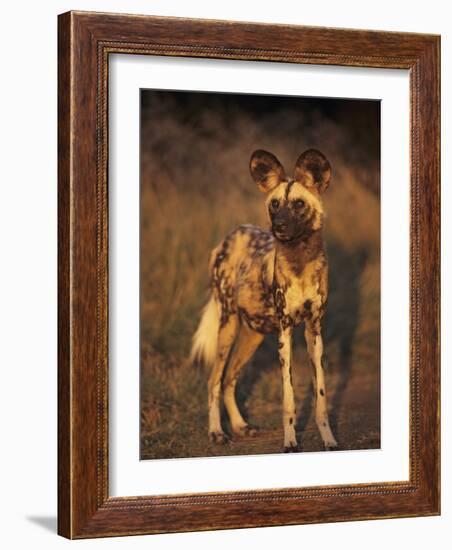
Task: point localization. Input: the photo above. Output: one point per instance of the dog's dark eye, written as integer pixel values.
(299, 203)
(274, 203)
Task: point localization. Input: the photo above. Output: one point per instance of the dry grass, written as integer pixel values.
(195, 188)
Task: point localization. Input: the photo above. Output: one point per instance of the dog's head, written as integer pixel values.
(294, 205)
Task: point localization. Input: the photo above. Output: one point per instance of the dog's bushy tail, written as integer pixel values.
(204, 343)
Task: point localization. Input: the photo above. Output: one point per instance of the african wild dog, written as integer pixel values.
(264, 282)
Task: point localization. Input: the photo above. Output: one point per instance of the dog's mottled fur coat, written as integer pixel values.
(264, 282)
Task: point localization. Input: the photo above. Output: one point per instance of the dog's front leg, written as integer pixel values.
(289, 412)
(315, 349)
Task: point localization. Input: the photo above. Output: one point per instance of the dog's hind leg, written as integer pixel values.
(246, 344)
(315, 349)
(226, 336)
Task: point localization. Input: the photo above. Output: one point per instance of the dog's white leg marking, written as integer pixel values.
(289, 411)
(246, 344)
(315, 349)
(226, 337)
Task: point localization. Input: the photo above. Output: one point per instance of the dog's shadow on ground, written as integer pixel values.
(339, 328)
(342, 318)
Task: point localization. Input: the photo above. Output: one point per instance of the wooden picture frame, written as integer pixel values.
(85, 42)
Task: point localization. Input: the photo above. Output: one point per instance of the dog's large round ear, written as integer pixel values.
(313, 169)
(266, 170)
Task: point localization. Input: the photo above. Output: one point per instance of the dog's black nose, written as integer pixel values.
(280, 226)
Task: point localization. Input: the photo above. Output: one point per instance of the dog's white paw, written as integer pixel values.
(218, 438)
(330, 444)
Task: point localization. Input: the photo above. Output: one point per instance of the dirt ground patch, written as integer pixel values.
(174, 418)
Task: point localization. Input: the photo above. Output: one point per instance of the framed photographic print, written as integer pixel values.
(248, 275)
